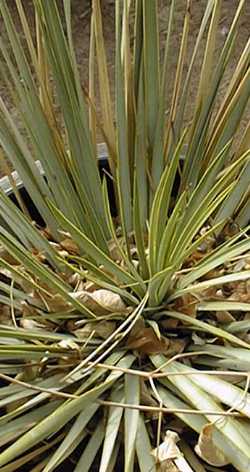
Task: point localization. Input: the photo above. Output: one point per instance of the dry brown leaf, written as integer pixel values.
(71, 326)
(224, 317)
(138, 326)
(90, 287)
(207, 450)
(186, 304)
(74, 279)
(101, 301)
(47, 234)
(68, 344)
(70, 246)
(5, 315)
(114, 251)
(144, 340)
(230, 230)
(169, 456)
(210, 294)
(240, 292)
(56, 303)
(196, 256)
(27, 323)
(102, 329)
(27, 310)
(176, 346)
(169, 323)
(8, 257)
(38, 255)
(213, 274)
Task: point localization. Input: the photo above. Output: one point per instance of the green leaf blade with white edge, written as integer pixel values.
(116, 241)
(158, 285)
(111, 430)
(210, 203)
(44, 273)
(223, 391)
(105, 94)
(238, 193)
(188, 79)
(199, 135)
(160, 206)
(144, 448)
(131, 418)
(203, 402)
(94, 251)
(216, 281)
(206, 327)
(224, 306)
(62, 62)
(158, 149)
(72, 439)
(151, 67)
(139, 235)
(87, 458)
(60, 416)
(197, 422)
(17, 218)
(218, 257)
(169, 137)
(170, 233)
(18, 427)
(124, 180)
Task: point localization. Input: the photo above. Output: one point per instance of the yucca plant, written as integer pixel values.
(120, 331)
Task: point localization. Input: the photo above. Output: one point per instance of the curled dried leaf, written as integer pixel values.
(207, 449)
(240, 291)
(102, 329)
(47, 233)
(169, 323)
(70, 246)
(114, 251)
(101, 301)
(27, 310)
(224, 316)
(74, 279)
(27, 323)
(169, 457)
(89, 287)
(168, 449)
(56, 303)
(186, 304)
(146, 341)
(175, 346)
(69, 345)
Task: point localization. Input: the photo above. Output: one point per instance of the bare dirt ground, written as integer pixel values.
(81, 28)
